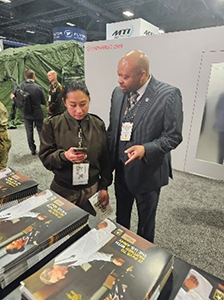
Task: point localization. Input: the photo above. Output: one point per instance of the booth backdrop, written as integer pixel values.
(181, 59)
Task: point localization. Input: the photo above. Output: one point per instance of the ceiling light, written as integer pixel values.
(6, 1)
(30, 31)
(70, 24)
(128, 13)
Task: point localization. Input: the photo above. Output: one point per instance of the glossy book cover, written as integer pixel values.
(109, 262)
(34, 224)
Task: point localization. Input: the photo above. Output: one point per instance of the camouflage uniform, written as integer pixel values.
(55, 102)
(5, 141)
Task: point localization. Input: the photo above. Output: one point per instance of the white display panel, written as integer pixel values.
(203, 151)
(130, 28)
(174, 58)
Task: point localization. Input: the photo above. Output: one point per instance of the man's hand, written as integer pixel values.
(103, 198)
(134, 152)
(118, 261)
(191, 283)
(75, 157)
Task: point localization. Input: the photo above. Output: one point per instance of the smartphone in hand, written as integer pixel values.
(80, 150)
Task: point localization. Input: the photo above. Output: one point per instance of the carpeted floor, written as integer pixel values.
(190, 215)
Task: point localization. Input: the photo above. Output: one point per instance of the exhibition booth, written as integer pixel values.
(193, 61)
(190, 60)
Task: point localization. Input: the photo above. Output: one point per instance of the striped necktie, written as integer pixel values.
(132, 99)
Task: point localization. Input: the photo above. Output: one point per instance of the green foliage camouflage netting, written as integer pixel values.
(66, 58)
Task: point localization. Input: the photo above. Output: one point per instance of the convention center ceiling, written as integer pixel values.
(32, 21)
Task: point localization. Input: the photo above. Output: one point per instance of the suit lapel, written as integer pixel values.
(145, 102)
(119, 108)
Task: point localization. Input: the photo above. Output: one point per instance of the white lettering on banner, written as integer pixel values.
(58, 33)
(104, 47)
(80, 35)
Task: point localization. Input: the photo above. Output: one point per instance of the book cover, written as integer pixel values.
(34, 224)
(14, 185)
(109, 262)
(101, 212)
(26, 264)
(198, 286)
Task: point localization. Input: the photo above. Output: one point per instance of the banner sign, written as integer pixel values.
(69, 34)
(130, 28)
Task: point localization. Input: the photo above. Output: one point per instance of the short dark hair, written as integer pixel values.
(29, 74)
(73, 86)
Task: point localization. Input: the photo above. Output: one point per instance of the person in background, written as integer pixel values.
(34, 118)
(145, 125)
(55, 104)
(5, 141)
(74, 147)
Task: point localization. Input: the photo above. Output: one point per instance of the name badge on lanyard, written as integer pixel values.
(80, 174)
(126, 131)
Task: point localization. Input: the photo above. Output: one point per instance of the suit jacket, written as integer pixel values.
(158, 126)
(37, 99)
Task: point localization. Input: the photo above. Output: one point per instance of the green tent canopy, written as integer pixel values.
(66, 58)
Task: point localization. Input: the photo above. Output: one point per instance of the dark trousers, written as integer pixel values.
(29, 126)
(146, 206)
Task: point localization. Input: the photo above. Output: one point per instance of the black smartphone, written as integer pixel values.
(80, 149)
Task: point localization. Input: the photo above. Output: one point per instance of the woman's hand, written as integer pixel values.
(75, 157)
(103, 198)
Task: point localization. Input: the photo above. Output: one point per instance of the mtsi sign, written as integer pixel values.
(130, 28)
(69, 34)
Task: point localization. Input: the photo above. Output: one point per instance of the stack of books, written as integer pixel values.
(33, 228)
(14, 186)
(200, 287)
(109, 262)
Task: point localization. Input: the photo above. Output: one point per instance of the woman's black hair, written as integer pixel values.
(73, 86)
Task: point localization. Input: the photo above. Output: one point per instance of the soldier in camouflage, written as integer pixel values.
(55, 104)
(5, 141)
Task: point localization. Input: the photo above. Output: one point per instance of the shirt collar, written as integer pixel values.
(142, 89)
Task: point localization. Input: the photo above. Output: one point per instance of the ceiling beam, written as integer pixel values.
(96, 8)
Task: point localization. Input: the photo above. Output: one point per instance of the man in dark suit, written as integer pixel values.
(142, 132)
(34, 118)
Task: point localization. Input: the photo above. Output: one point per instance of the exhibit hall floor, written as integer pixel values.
(190, 215)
